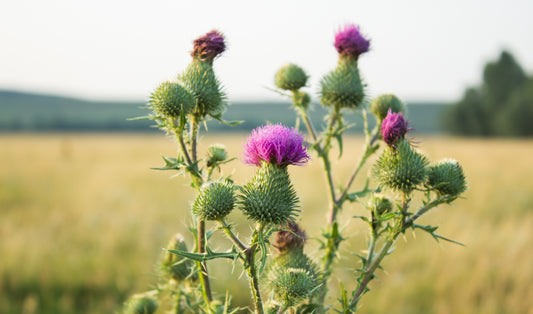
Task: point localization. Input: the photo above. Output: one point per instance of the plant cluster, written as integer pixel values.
(282, 277)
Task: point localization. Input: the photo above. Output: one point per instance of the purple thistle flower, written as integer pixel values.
(393, 128)
(209, 46)
(350, 42)
(277, 144)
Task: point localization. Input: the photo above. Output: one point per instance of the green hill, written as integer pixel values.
(21, 111)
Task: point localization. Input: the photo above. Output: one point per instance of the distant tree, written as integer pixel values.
(503, 105)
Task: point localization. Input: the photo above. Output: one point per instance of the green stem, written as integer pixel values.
(227, 230)
(177, 308)
(204, 277)
(252, 272)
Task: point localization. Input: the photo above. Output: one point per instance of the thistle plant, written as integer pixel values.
(282, 277)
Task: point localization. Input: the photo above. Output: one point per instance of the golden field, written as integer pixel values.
(83, 220)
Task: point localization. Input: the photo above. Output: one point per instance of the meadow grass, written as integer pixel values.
(83, 221)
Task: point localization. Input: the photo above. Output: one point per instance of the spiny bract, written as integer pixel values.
(447, 177)
(269, 197)
(170, 99)
(290, 77)
(380, 105)
(200, 79)
(215, 201)
(342, 87)
(401, 168)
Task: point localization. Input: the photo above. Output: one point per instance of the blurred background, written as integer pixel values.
(83, 218)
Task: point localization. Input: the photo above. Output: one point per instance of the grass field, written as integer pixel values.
(83, 220)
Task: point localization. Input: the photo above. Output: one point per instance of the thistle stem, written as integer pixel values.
(227, 230)
(204, 277)
(252, 272)
(177, 307)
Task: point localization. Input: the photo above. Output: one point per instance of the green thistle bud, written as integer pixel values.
(342, 87)
(293, 276)
(174, 266)
(447, 178)
(269, 197)
(401, 168)
(293, 284)
(171, 100)
(379, 205)
(380, 106)
(301, 99)
(141, 305)
(290, 77)
(216, 153)
(200, 79)
(215, 201)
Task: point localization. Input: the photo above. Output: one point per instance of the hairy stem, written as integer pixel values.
(227, 230)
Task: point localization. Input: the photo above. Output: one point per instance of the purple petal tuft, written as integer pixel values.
(349, 41)
(209, 46)
(393, 128)
(275, 144)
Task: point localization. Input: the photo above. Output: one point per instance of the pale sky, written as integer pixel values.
(121, 50)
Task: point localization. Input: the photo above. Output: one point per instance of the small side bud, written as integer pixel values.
(447, 178)
(170, 100)
(215, 154)
(293, 238)
(401, 168)
(215, 201)
(301, 99)
(290, 77)
(175, 267)
(379, 205)
(141, 304)
(380, 106)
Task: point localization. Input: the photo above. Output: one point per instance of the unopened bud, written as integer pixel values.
(290, 77)
(401, 168)
(447, 177)
(293, 238)
(171, 100)
(380, 106)
(215, 201)
(141, 304)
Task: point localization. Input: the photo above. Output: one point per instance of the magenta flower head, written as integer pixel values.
(393, 128)
(350, 42)
(209, 46)
(275, 144)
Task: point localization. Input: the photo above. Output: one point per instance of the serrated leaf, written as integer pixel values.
(209, 255)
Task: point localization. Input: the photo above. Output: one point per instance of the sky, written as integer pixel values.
(121, 50)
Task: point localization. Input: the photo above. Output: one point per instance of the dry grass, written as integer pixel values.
(83, 220)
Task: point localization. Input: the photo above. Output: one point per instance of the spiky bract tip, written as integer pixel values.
(380, 106)
(269, 198)
(215, 200)
(200, 79)
(343, 87)
(293, 276)
(401, 168)
(171, 99)
(447, 178)
(290, 77)
(277, 144)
